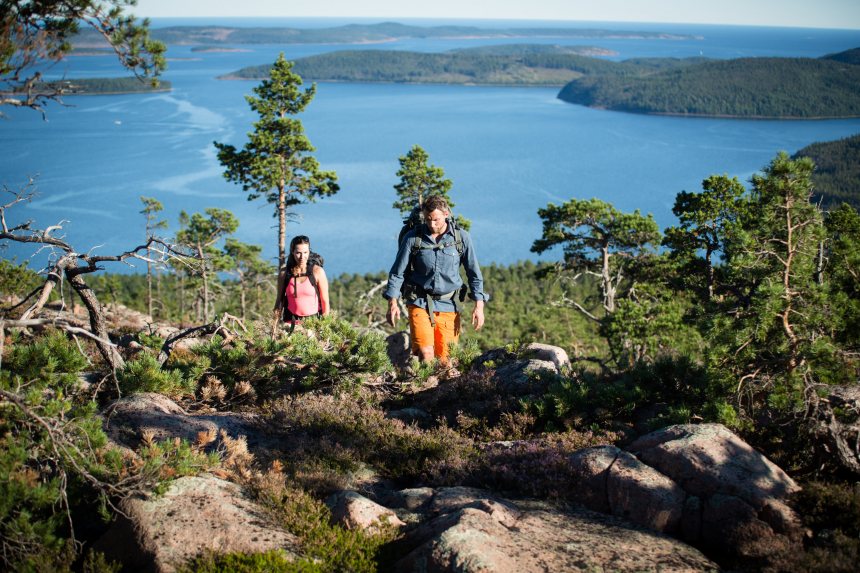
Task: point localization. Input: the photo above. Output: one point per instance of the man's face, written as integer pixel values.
(436, 221)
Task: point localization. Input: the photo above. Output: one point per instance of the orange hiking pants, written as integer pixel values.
(445, 333)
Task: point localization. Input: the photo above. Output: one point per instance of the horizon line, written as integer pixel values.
(396, 19)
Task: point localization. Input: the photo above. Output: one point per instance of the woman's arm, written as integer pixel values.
(279, 293)
(322, 283)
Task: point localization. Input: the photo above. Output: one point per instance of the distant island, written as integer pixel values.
(518, 64)
(105, 86)
(766, 88)
(837, 171)
(216, 49)
(750, 88)
(363, 34)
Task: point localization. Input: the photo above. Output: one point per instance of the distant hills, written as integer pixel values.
(767, 88)
(362, 34)
(837, 173)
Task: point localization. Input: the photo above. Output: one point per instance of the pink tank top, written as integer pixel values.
(302, 297)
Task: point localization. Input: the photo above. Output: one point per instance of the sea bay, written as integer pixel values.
(509, 151)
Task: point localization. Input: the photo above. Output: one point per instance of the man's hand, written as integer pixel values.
(393, 314)
(478, 315)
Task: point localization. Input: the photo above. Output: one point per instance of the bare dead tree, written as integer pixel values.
(66, 264)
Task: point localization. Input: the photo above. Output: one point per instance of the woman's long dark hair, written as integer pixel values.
(291, 261)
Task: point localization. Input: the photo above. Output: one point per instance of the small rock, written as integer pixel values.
(355, 511)
(399, 349)
(548, 353)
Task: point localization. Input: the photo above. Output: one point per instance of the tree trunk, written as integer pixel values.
(205, 276)
(608, 290)
(282, 224)
(242, 294)
(47, 288)
(97, 320)
(148, 284)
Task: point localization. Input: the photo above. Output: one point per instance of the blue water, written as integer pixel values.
(509, 151)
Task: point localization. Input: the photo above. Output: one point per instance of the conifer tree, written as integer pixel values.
(618, 249)
(276, 163)
(769, 334)
(707, 221)
(248, 266)
(418, 181)
(201, 233)
(151, 208)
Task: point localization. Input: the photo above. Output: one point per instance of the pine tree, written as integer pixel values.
(420, 180)
(151, 208)
(769, 330)
(618, 250)
(276, 162)
(201, 233)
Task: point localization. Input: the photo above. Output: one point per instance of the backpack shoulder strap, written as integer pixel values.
(416, 245)
(458, 241)
(313, 280)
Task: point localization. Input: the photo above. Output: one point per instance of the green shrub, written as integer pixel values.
(831, 512)
(325, 548)
(682, 388)
(48, 438)
(333, 352)
(231, 363)
(145, 374)
(274, 561)
(171, 459)
(362, 434)
(192, 366)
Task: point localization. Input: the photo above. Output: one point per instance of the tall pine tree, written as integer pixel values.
(276, 162)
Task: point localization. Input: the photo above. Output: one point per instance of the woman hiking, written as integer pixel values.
(302, 285)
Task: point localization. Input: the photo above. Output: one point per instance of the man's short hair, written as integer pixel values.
(435, 202)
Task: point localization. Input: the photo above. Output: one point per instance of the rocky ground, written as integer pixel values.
(666, 502)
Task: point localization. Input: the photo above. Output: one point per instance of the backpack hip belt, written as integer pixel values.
(414, 292)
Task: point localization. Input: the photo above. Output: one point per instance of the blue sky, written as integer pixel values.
(796, 13)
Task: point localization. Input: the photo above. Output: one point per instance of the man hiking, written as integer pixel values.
(426, 273)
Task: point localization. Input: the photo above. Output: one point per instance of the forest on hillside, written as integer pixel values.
(748, 87)
(837, 171)
(552, 66)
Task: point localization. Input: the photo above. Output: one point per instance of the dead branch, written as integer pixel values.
(565, 302)
(72, 265)
(61, 323)
(212, 328)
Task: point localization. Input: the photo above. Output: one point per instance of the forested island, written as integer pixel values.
(365, 34)
(837, 171)
(774, 88)
(778, 88)
(517, 64)
(106, 86)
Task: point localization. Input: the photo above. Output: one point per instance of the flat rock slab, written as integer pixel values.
(493, 535)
